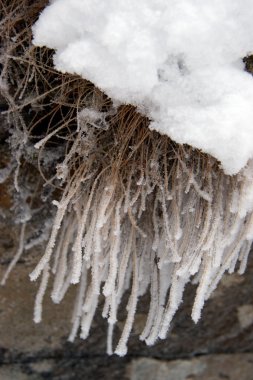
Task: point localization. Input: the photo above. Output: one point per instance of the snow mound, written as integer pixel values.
(179, 62)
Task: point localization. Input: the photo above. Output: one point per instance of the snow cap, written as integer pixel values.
(178, 61)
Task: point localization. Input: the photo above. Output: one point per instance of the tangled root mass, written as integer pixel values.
(141, 212)
(137, 212)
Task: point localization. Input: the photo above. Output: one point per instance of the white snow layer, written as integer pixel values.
(178, 61)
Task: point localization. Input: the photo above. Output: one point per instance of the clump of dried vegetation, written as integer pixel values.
(134, 210)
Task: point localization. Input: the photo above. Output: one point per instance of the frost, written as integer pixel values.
(105, 239)
(16, 256)
(139, 211)
(89, 117)
(5, 172)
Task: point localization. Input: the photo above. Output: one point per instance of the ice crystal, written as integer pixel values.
(146, 215)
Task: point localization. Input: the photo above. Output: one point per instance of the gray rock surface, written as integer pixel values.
(209, 367)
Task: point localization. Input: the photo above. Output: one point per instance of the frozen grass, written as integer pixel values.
(142, 212)
(136, 211)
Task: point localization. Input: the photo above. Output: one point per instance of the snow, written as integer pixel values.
(179, 62)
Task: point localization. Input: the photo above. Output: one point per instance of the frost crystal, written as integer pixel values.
(126, 221)
(140, 212)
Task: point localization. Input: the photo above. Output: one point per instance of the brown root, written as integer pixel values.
(137, 211)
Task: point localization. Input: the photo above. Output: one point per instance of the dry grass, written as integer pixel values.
(136, 210)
